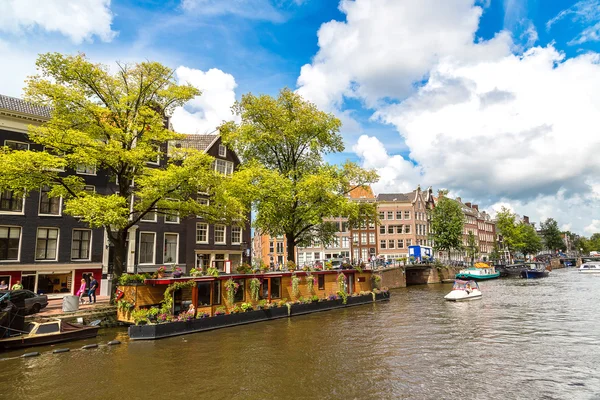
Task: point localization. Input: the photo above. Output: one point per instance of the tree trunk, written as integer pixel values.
(120, 248)
(290, 247)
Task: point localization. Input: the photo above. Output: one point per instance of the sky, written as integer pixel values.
(495, 100)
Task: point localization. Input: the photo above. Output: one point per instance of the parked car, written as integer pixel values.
(33, 302)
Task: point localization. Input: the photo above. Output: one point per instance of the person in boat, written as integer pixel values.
(81, 292)
(17, 286)
(93, 287)
(3, 285)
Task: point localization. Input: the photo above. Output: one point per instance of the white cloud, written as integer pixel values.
(205, 113)
(250, 9)
(80, 20)
(593, 227)
(384, 47)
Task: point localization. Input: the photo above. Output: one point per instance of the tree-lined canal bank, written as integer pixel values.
(525, 339)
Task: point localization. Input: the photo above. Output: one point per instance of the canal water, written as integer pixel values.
(537, 339)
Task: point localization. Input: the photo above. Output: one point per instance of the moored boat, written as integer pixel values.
(50, 332)
(481, 271)
(534, 270)
(592, 267)
(464, 291)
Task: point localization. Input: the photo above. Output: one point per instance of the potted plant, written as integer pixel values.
(161, 271)
(177, 272)
(291, 266)
(220, 311)
(196, 272)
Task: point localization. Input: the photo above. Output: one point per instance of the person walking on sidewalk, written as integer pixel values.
(81, 292)
(93, 287)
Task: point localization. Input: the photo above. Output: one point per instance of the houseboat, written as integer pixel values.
(163, 307)
(481, 271)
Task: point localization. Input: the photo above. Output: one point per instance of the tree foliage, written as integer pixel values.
(529, 240)
(552, 235)
(284, 140)
(114, 123)
(472, 247)
(506, 225)
(447, 225)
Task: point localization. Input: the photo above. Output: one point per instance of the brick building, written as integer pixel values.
(363, 243)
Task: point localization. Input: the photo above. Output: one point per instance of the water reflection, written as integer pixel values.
(524, 339)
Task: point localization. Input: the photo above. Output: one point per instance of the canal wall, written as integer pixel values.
(402, 276)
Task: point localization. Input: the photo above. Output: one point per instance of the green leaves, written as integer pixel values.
(447, 224)
(552, 236)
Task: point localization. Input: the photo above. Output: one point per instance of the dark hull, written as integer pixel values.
(510, 272)
(534, 274)
(19, 342)
(159, 331)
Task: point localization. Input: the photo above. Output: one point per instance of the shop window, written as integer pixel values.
(10, 238)
(217, 292)
(239, 295)
(46, 244)
(203, 294)
(321, 281)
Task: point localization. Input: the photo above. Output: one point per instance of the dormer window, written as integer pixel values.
(222, 151)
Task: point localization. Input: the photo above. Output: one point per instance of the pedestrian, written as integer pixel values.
(81, 292)
(3, 285)
(17, 286)
(93, 287)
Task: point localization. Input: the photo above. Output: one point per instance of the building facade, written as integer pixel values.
(403, 222)
(363, 242)
(270, 250)
(338, 250)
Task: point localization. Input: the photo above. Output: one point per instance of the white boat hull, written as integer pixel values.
(462, 295)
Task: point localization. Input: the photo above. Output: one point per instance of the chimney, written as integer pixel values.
(468, 205)
(459, 199)
(526, 219)
(475, 206)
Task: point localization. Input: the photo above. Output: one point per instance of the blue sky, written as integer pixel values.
(432, 93)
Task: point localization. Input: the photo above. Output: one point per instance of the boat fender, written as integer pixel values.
(32, 354)
(113, 342)
(61, 351)
(90, 346)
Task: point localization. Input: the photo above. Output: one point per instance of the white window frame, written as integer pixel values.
(85, 172)
(60, 205)
(206, 230)
(37, 233)
(228, 167)
(224, 234)
(20, 243)
(176, 261)
(22, 212)
(240, 237)
(157, 162)
(153, 249)
(89, 257)
(153, 211)
(6, 142)
(224, 152)
(176, 214)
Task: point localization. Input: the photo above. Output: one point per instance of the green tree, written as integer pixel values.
(552, 236)
(472, 247)
(447, 225)
(594, 242)
(506, 224)
(113, 122)
(529, 240)
(495, 254)
(284, 140)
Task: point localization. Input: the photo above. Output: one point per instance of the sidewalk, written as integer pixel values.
(54, 306)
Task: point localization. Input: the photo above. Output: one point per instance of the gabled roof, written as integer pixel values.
(21, 106)
(397, 197)
(198, 142)
(362, 193)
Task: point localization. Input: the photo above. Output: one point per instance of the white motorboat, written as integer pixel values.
(463, 291)
(592, 267)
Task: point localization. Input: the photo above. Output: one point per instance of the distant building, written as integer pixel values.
(363, 244)
(339, 249)
(270, 249)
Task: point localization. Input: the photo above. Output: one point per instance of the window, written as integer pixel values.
(150, 216)
(321, 281)
(345, 242)
(271, 247)
(239, 295)
(170, 248)
(279, 247)
(355, 238)
(406, 214)
(381, 215)
(80, 245)
(399, 229)
(46, 245)
(390, 229)
(363, 238)
(275, 288)
(89, 189)
(408, 242)
(9, 202)
(382, 244)
(48, 205)
(406, 228)
(203, 293)
(372, 238)
(344, 226)
(10, 238)
(14, 145)
(236, 235)
(201, 232)
(147, 245)
(398, 214)
(390, 215)
(382, 229)
(220, 234)
(222, 151)
(85, 169)
(224, 167)
(172, 216)
(391, 243)
(400, 243)
(217, 292)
